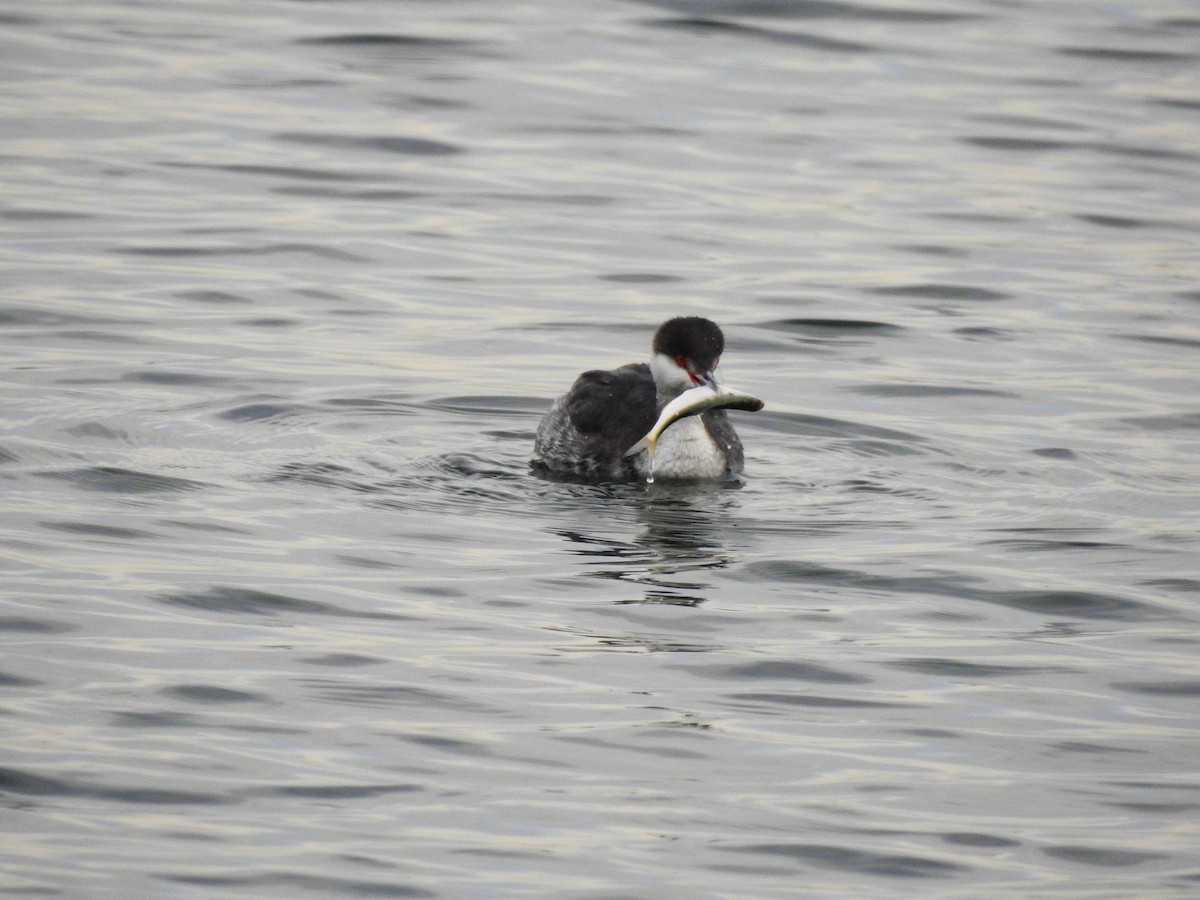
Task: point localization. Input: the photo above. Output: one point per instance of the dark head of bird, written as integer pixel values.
(692, 343)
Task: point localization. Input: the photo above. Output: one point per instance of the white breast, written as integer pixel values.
(686, 450)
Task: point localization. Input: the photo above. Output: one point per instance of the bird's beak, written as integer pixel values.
(698, 376)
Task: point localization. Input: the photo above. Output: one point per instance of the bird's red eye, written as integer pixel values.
(681, 361)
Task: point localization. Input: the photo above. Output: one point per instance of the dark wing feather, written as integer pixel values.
(591, 426)
(614, 404)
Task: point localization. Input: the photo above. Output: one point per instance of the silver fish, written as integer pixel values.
(690, 403)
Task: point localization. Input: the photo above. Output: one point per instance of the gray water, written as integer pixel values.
(284, 290)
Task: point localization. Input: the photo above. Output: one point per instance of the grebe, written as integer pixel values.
(589, 430)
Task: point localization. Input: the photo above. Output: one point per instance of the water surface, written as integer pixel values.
(285, 288)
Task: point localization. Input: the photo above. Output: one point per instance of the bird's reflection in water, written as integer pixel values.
(680, 540)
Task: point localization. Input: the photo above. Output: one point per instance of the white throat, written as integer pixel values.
(669, 379)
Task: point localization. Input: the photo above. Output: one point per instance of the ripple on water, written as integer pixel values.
(860, 862)
(1086, 747)
(221, 298)
(339, 791)
(1185, 343)
(1055, 453)
(860, 438)
(1184, 421)
(96, 530)
(157, 719)
(367, 694)
(641, 278)
(344, 660)
(722, 28)
(940, 291)
(985, 332)
(42, 215)
(1183, 688)
(1127, 55)
(262, 412)
(929, 390)
(292, 173)
(168, 378)
(34, 317)
(1107, 857)
(975, 839)
(289, 248)
(325, 474)
(407, 146)
(290, 882)
(1050, 602)
(1191, 585)
(489, 404)
(819, 330)
(957, 668)
(459, 482)
(1108, 221)
(245, 601)
(116, 480)
(211, 693)
(1007, 144)
(777, 670)
(25, 783)
(814, 701)
(17, 681)
(817, 9)
(1052, 545)
(1018, 145)
(393, 41)
(30, 625)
